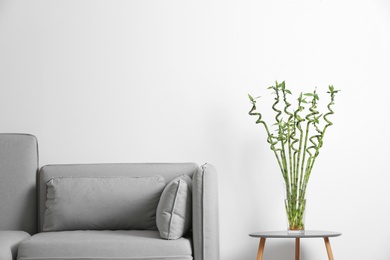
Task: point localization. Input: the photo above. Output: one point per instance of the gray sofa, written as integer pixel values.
(143, 211)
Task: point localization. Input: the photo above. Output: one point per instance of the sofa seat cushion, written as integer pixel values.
(9, 241)
(104, 244)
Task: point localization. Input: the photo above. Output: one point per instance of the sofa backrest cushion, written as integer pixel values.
(104, 203)
(18, 173)
(168, 171)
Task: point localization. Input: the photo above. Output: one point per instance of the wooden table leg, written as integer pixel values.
(328, 248)
(297, 248)
(261, 249)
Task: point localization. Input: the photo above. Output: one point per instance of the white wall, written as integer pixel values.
(141, 81)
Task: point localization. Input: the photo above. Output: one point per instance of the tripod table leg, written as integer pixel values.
(261, 249)
(328, 248)
(297, 248)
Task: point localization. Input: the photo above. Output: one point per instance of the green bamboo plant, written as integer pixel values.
(296, 142)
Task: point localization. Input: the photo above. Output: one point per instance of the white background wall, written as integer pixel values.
(167, 81)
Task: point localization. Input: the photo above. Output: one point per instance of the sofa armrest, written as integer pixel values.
(9, 243)
(205, 219)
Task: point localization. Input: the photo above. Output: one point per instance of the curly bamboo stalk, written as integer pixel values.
(294, 146)
(332, 93)
(301, 134)
(290, 133)
(281, 139)
(260, 121)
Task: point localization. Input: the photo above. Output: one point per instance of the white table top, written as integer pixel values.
(285, 234)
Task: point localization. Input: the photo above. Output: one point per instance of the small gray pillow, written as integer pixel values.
(174, 210)
(108, 203)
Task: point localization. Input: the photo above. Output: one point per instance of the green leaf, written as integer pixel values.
(288, 91)
(252, 98)
(308, 94)
(283, 85)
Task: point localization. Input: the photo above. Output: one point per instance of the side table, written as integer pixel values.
(284, 234)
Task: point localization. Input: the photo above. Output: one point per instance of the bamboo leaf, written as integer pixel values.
(283, 85)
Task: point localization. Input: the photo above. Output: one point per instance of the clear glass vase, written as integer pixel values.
(295, 212)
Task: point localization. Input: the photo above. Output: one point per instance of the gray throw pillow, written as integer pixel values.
(174, 210)
(108, 203)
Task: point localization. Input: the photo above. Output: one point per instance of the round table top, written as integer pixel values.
(285, 234)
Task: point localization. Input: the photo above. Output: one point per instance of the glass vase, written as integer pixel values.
(295, 212)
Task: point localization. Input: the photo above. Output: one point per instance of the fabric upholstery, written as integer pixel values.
(174, 209)
(205, 219)
(9, 241)
(168, 171)
(205, 230)
(104, 245)
(103, 203)
(18, 171)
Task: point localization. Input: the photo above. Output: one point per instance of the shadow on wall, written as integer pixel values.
(275, 249)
